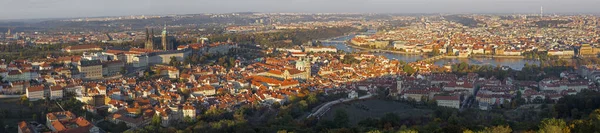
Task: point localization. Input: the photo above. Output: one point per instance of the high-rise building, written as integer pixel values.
(149, 40)
(8, 32)
(541, 11)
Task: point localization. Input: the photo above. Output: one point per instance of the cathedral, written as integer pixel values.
(166, 42)
(149, 40)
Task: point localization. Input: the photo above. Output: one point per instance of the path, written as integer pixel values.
(325, 107)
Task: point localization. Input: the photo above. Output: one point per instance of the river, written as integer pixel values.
(516, 64)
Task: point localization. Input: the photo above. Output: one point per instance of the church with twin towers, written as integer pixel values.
(166, 42)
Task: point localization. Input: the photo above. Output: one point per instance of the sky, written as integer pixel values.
(27, 9)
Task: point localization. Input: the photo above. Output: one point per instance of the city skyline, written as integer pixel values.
(299, 66)
(38, 9)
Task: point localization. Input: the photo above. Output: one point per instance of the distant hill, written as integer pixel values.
(462, 20)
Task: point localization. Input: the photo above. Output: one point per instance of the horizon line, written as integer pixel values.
(179, 14)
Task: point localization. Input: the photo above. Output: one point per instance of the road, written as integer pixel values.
(10, 96)
(469, 100)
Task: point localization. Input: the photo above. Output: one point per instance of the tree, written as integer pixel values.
(591, 124)
(341, 118)
(303, 104)
(174, 62)
(468, 131)
(594, 119)
(156, 120)
(312, 98)
(188, 119)
(497, 129)
(276, 105)
(408, 69)
(374, 131)
(34, 117)
(129, 131)
(24, 100)
(553, 125)
(435, 52)
(293, 98)
(123, 70)
(349, 59)
(122, 126)
(2, 126)
(408, 131)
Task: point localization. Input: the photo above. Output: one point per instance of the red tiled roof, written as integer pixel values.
(24, 128)
(56, 88)
(35, 88)
(456, 98)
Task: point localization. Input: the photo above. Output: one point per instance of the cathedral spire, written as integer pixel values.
(149, 40)
(147, 34)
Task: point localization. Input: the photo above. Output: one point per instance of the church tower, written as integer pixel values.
(307, 69)
(164, 42)
(303, 64)
(149, 40)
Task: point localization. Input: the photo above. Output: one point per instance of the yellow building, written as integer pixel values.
(379, 44)
(586, 49)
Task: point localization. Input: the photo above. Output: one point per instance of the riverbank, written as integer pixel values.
(514, 62)
(499, 56)
(445, 57)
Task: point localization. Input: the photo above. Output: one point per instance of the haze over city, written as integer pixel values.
(27, 9)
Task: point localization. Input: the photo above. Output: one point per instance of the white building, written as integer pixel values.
(448, 101)
(56, 92)
(352, 95)
(140, 61)
(320, 49)
(189, 111)
(35, 93)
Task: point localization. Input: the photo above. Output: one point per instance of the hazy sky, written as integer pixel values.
(18, 9)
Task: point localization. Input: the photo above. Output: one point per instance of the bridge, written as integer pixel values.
(434, 58)
(332, 41)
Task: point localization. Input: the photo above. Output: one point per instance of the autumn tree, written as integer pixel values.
(156, 120)
(498, 129)
(553, 125)
(408, 69)
(312, 98)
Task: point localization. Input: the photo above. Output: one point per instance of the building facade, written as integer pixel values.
(91, 69)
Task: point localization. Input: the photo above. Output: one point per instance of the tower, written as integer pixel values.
(399, 85)
(164, 39)
(8, 32)
(149, 40)
(307, 68)
(541, 11)
(303, 64)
